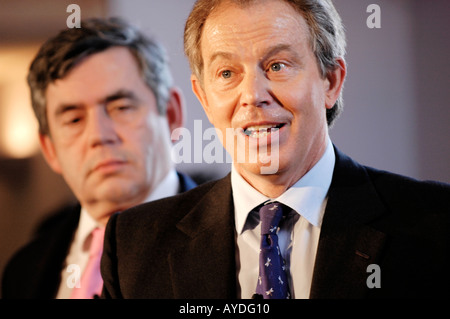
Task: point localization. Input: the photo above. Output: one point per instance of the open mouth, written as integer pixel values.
(257, 131)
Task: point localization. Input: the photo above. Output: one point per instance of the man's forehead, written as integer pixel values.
(238, 20)
(231, 26)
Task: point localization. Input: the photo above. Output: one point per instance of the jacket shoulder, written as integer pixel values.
(394, 189)
(417, 194)
(33, 270)
(167, 210)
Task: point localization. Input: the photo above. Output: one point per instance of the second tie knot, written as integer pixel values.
(270, 216)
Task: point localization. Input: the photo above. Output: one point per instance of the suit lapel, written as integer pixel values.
(210, 238)
(348, 244)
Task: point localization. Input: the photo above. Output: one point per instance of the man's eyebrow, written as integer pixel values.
(281, 48)
(63, 108)
(220, 54)
(271, 51)
(120, 94)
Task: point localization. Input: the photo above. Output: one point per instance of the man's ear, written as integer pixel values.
(334, 83)
(176, 110)
(49, 152)
(197, 88)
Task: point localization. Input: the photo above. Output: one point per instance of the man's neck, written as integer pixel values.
(273, 185)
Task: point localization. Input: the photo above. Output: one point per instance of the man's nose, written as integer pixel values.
(101, 128)
(255, 89)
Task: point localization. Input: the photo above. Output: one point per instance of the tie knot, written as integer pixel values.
(97, 241)
(270, 216)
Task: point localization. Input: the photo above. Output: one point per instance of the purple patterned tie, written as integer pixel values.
(272, 280)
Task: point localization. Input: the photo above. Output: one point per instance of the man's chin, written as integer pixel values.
(265, 168)
(121, 194)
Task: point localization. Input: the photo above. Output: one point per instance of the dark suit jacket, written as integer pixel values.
(184, 246)
(34, 271)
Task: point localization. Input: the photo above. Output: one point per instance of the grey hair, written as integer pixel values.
(326, 30)
(60, 54)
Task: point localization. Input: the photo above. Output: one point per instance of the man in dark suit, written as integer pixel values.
(106, 106)
(269, 75)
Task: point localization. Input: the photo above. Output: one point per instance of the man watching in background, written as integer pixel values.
(106, 105)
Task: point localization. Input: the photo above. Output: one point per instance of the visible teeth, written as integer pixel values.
(261, 130)
(260, 127)
(257, 134)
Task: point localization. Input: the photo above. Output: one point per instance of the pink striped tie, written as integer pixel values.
(91, 281)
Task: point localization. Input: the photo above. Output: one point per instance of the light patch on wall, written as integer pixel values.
(18, 126)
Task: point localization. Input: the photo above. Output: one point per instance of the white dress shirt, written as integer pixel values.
(79, 249)
(298, 234)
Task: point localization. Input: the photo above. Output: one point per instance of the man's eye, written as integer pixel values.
(72, 120)
(226, 74)
(121, 108)
(276, 67)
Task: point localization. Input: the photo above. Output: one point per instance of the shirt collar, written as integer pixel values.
(307, 196)
(167, 187)
(85, 227)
